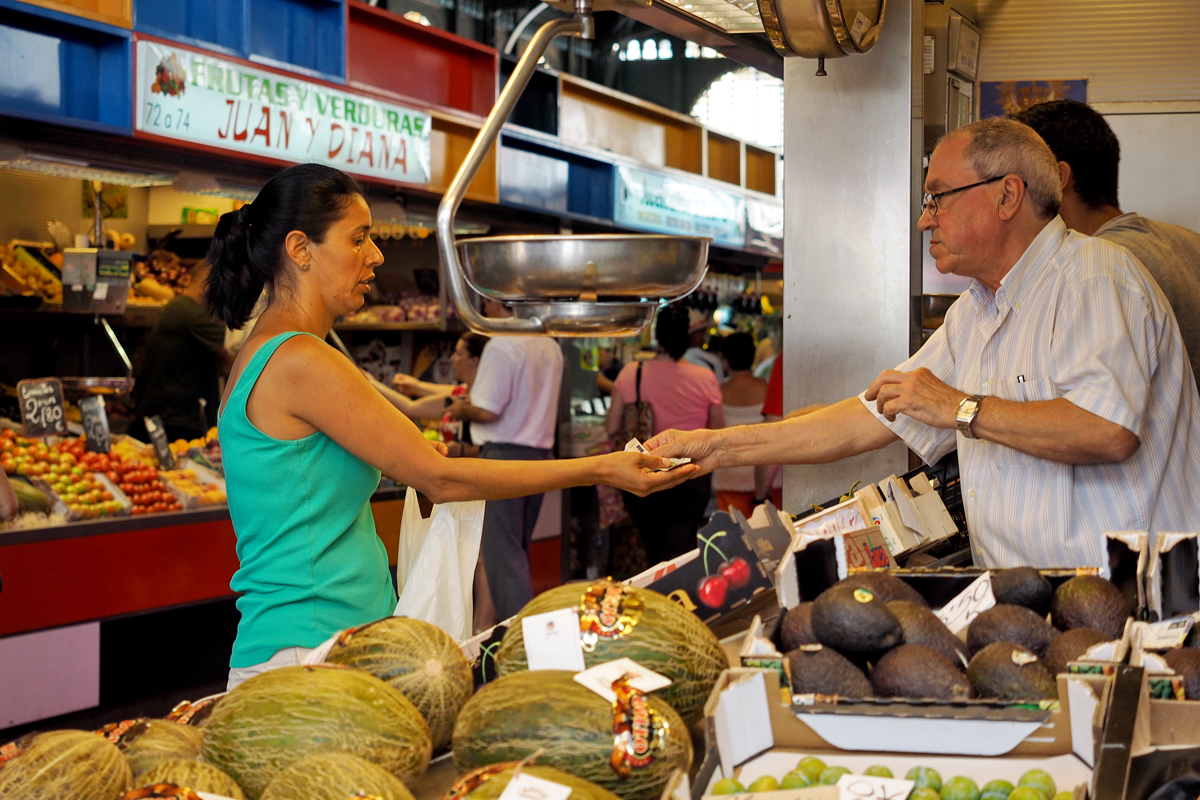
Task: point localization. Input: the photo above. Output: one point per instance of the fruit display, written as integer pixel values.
(494, 783)
(187, 482)
(872, 635)
(22, 266)
(191, 773)
(146, 742)
(624, 621)
(276, 718)
(61, 764)
(399, 307)
(335, 776)
(523, 712)
(66, 470)
(133, 451)
(417, 659)
(1185, 661)
(29, 498)
(146, 491)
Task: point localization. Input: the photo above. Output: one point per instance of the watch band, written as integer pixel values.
(968, 409)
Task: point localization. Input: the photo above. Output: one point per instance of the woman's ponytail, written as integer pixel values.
(233, 287)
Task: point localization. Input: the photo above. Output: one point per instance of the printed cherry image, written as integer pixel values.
(736, 571)
(712, 590)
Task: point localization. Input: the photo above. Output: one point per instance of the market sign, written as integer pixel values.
(659, 201)
(195, 97)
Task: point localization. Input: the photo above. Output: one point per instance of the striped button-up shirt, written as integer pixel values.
(1080, 318)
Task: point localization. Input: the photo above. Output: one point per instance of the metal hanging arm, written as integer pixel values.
(580, 25)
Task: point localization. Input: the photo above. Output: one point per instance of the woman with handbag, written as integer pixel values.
(651, 396)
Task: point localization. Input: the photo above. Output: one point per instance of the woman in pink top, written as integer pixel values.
(685, 397)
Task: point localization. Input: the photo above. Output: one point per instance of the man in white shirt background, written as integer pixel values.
(513, 409)
(1060, 376)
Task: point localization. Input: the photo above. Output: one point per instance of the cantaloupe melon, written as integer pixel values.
(281, 716)
(491, 788)
(663, 636)
(145, 742)
(514, 716)
(195, 775)
(335, 776)
(59, 764)
(418, 659)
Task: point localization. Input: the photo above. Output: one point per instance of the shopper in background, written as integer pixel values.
(609, 368)
(1088, 156)
(306, 437)
(513, 411)
(741, 403)
(710, 359)
(683, 396)
(185, 357)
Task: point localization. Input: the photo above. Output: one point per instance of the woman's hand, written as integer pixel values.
(699, 445)
(636, 473)
(405, 384)
(441, 447)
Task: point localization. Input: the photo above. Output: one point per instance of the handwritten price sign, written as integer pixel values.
(867, 787)
(42, 410)
(974, 600)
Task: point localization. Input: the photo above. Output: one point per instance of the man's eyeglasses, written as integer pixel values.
(929, 203)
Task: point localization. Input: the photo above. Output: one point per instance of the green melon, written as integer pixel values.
(580, 789)
(514, 716)
(146, 742)
(667, 638)
(335, 776)
(283, 715)
(420, 660)
(64, 764)
(195, 775)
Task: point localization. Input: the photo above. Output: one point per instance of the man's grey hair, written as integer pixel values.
(1000, 146)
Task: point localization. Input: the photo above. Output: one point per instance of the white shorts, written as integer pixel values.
(287, 657)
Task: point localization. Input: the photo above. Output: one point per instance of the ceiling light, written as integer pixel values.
(17, 158)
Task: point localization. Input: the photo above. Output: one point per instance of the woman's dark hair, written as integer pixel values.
(247, 249)
(671, 331)
(475, 343)
(739, 351)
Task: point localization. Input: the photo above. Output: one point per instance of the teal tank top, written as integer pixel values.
(310, 561)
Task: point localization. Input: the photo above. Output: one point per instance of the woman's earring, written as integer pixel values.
(304, 267)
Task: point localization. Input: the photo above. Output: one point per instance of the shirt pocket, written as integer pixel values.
(1029, 390)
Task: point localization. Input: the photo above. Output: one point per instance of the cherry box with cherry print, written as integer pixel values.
(723, 578)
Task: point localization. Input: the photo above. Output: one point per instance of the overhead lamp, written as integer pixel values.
(731, 16)
(212, 186)
(18, 158)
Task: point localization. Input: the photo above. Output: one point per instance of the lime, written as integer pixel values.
(795, 780)
(728, 786)
(1027, 793)
(766, 783)
(924, 793)
(831, 774)
(1064, 796)
(960, 788)
(878, 772)
(995, 790)
(924, 778)
(812, 767)
(1038, 779)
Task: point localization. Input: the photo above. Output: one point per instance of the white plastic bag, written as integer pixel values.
(437, 588)
(413, 528)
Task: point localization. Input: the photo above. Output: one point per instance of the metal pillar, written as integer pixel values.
(852, 178)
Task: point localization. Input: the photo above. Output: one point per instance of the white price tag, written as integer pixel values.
(528, 787)
(1166, 635)
(552, 640)
(974, 600)
(868, 787)
(100, 292)
(600, 678)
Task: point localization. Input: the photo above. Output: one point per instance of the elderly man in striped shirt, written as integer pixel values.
(1060, 376)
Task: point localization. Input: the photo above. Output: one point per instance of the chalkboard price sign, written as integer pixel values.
(42, 410)
(95, 424)
(162, 445)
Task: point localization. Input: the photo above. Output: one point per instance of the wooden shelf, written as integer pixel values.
(760, 169)
(724, 159)
(449, 142)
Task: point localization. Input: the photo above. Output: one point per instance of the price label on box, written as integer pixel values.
(973, 601)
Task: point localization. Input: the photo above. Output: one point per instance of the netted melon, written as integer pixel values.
(145, 742)
(664, 637)
(283, 715)
(420, 660)
(193, 774)
(335, 776)
(491, 788)
(59, 764)
(514, 716)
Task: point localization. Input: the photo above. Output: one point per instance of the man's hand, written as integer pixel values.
(635, 473)
(918, 394)
(456, 409)
(698, 445)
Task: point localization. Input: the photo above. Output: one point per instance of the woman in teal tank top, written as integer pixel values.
(305, 437)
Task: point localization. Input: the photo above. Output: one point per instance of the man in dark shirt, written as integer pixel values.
(185, 354)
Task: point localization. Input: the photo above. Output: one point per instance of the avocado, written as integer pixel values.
(921, 626)
(912, 670)
(1186, 662)
(1007, 671)
(1022, 586)
(1015, 624)
(854, 620)
(1089, 601)
(823, 670)
(886, 587)
(1069, 646)
(796, 628)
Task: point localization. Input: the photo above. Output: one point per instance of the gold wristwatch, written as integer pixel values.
(968, 410)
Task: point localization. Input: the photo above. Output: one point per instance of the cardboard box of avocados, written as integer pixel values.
(750, 735)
